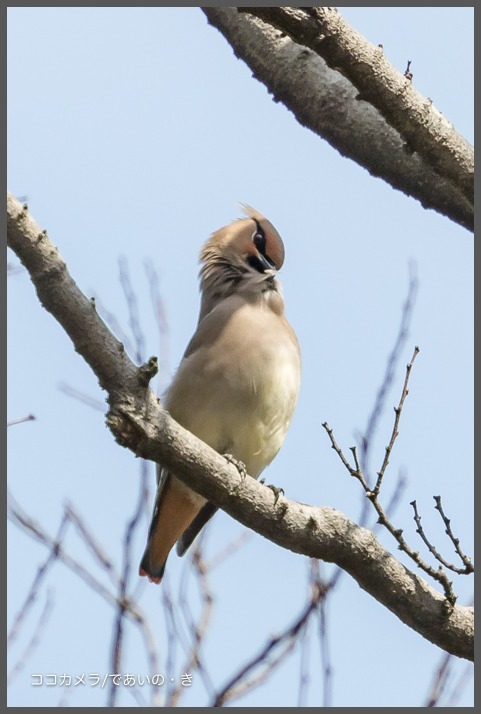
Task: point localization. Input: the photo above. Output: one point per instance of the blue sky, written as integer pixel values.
(136, 132)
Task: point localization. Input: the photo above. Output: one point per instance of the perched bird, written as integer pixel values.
(236, 386)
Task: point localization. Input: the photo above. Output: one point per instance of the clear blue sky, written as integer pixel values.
(136, 132)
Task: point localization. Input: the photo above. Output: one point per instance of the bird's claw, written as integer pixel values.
(276, 490)
(240, 466)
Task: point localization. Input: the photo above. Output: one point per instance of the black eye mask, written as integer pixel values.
(260, 262)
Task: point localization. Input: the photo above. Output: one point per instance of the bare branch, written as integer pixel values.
(391, 365)
(325, 656)
(21, 420)
(270, 656)
(197, 628)
(395, 432)
(344, 89)
(139, 423)
(374, 417)
(229, 550)
(423, 128)
(396, 495)
(37, 582)
(468, 566)
(133, 309)
(467, 673)
(81, 396)
(161, 319)
(439, 681)
(372, 494)
(35, 531)
(304, 678)
(34, 640)
(175, 635)
(431, 548)
(118, 631)
(128, 605)
(326, 664)
(89, 539)
(111, 320)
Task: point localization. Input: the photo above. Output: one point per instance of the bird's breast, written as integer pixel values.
(237, 391)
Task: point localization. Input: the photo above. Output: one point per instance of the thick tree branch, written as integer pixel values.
(139, 423)
(321, 69)
(423, 128)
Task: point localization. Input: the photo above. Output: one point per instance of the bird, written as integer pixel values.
(237, 384)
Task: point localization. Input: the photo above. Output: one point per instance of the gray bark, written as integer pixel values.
(342, 87)
(139, 422)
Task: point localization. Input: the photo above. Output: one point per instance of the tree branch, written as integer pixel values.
(139, 423)
(323, 69)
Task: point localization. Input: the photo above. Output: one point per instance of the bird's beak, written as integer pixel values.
(267, 264)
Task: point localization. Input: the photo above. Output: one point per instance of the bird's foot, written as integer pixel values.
(276, 490)
(240, 466)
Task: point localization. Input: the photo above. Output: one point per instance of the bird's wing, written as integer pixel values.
(189, 535)
(175, 509)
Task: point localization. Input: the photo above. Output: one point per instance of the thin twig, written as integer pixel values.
(393, 359)
(356, 472)
(172, 641)
(20, 420)
(383, 520)
(323, 637)
(458, 688)
(82, 397)
(129, 607)
(269, 657)
(432, 549)
(111, 320)
(197, 628)
(440, 680)
(37, 581)
(160, 315)
(304, 678)
(229, 550)
(395, 432)
(133, 309)
(468, 565)
(117, 642)
(367, 439)
(396, 495)
(97, 551)
(439, 574)
(34, 530)
(176, 635)
(34, 640)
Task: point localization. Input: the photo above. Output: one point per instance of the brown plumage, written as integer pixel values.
(236, 386)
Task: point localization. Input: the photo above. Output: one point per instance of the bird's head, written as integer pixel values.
(247, 251)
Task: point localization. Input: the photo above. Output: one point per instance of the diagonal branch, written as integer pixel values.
(320, 69)
(423, 128)
(273, 652)
(139, 423)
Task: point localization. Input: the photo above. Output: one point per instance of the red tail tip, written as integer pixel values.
(143, 573)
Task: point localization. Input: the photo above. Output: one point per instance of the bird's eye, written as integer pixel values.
(259, 239)
(261, 261)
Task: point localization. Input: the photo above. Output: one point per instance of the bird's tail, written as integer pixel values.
(150, 569)
(174, 511)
